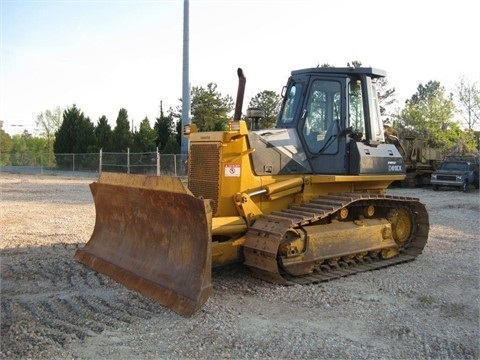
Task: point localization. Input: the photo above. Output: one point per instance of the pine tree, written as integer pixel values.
(75, 136)
(122, 138)
(103, 134)
(144, 138)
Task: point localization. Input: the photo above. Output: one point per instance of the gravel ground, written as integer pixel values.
(54, 307)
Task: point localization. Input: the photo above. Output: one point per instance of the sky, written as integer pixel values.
(107, 55)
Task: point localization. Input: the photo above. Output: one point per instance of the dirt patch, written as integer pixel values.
(52, 306)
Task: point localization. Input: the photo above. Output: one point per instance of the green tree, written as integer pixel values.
(356, 63)
(144, 139)
(270, 102)
(459, 141)
(28, 150)
(122, 137)
(178, 130)
(36, 149)
(19, 150)
(5, 138)
(468, 99)
(210, 109)
(430, 112)
(172, 146)
(47, 123)
(19, 143)
(76, 134)
(103, 134)
(177, 123)
(386, 96)
(5, 146)
(164, 128)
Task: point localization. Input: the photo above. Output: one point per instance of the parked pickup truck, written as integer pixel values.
(457, 172)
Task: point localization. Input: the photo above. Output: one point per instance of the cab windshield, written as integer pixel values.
(454, 166)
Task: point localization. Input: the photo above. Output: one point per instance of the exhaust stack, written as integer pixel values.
(240, 93)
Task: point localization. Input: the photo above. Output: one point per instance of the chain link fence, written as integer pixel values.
(149, 163)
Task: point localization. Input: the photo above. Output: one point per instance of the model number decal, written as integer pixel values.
(232, 170)
(395, 168)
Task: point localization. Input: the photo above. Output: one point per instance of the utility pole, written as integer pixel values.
(186, 81)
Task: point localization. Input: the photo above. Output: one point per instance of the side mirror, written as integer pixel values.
(354, 134)
(346, 131)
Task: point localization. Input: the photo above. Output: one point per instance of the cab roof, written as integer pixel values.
(369, 71)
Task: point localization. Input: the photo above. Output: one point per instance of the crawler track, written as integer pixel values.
(264, 237)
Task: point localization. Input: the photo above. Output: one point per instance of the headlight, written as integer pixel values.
(459, 177)
(234, 125)
(434, 176)
(189, 128)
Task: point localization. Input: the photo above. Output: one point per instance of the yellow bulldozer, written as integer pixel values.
(300, 203)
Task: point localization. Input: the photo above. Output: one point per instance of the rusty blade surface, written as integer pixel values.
(156, 242)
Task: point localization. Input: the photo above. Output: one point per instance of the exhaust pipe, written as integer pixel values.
(240, 93)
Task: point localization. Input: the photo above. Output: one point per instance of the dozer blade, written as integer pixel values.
(153, 236)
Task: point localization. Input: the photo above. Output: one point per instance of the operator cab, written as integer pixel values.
(314, 103)
(335, 112)
(329, 123)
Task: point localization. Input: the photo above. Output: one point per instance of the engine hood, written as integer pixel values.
(278, 151)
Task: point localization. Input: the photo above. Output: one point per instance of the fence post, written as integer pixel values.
(100, 161)
(41, 164)
(158, 162)
(175, 164)
(73, 162)
(128, 160)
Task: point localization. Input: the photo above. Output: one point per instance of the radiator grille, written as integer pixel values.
(204, 171)
(447, 177)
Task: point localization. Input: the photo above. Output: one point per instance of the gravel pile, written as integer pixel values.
(54, 307)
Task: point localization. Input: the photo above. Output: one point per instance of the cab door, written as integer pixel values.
(321, 123)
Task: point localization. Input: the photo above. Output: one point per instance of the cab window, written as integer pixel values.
(322, 114)
(355, 107)
(291, 104)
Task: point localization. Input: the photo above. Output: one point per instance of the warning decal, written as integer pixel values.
(232, 170)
